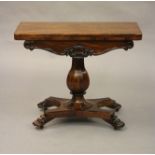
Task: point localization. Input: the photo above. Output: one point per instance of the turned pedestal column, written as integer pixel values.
(78, 82)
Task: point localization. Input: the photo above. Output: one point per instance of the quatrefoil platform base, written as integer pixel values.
(59, 107)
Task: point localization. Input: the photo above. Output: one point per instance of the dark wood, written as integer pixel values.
(78, 40)
(78, 106)
(78, 31)
(63, 109)
(89, 47)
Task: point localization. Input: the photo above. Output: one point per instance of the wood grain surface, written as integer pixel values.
(78, 31)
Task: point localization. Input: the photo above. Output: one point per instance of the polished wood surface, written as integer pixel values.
(78, 31)
(95, 47)
(78, 40)
(78, 106)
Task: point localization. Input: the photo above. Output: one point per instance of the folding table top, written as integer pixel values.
(80, 31)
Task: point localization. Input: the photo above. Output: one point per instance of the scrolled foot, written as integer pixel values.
(116, 122)
(112, 104)
(107, 102)
(42, 105)
(51, 101)
(116, 106)
(39, 123)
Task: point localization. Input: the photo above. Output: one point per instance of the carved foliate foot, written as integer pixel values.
(40, 122)
(116, 122)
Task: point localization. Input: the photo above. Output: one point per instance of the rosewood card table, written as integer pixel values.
(78, 40)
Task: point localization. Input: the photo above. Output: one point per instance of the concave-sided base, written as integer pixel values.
(91, 108)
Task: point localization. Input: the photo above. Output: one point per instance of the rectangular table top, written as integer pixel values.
(79, 31)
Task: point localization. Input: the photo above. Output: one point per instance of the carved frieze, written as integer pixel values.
(76, 49)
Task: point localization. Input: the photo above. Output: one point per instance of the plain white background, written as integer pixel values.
(27, 78)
